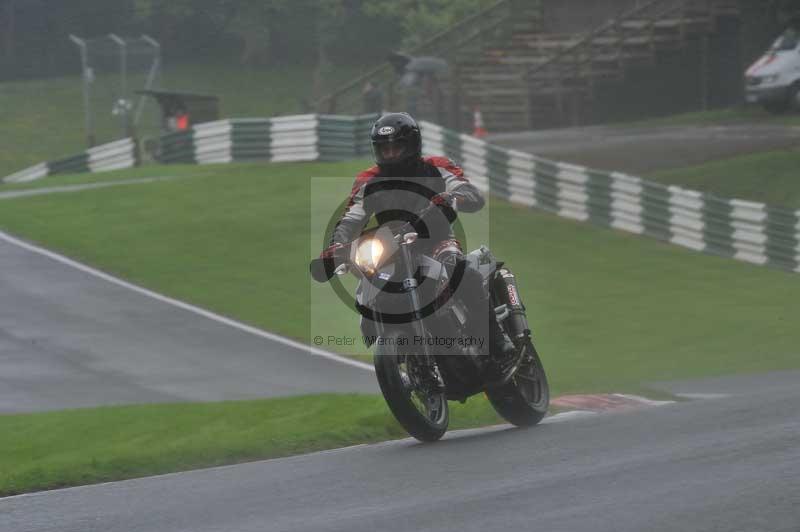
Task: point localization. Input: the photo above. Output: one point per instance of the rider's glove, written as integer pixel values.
(334, 250)
(323, 268)
(446, 202)
(443, 199)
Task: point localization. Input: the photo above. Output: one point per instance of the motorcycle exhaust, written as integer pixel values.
(508, 294)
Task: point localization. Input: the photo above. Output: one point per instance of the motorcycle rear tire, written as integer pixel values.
(523, 402)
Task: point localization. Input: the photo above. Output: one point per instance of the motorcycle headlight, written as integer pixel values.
(368, 255)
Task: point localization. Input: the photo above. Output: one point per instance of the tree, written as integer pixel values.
(421, 19)
(330, 16)
(251, 22)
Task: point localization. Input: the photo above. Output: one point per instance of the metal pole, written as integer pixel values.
(704, 73)
(152, 42)
(151, 76)
(123, 99)
(87, 76)
(123, 63)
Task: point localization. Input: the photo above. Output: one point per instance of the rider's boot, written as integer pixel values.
(502, 348)
(436, 381)
(502, 356)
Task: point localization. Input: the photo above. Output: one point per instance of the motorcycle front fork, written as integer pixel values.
(410, 285)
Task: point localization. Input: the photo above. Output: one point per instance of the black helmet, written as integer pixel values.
(396, 143)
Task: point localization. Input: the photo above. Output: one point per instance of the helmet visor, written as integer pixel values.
(390, 151)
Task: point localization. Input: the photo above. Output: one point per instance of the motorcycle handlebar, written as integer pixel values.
(323, 269)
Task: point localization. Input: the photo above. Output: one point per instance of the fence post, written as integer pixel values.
(529, 100)
(704, 72)
(455, 100)
(87, 81)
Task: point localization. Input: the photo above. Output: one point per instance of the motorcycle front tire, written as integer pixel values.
(391, 368)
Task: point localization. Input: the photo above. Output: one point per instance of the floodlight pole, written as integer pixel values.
(155, 68)
(123, 100)
(123, 62)
(87, 80)
(155, 44)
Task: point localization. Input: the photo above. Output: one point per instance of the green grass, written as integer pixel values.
(43, 120)
(769, 177)
(610, 312)
(727, 116)
(75, 447)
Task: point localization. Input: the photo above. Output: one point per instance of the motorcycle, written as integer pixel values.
(417, 375)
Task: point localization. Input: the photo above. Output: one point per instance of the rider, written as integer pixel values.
(414, 182)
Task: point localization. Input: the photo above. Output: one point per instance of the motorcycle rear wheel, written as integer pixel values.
(524, 399)
(424, 414)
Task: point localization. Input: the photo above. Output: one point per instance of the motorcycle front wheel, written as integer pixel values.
(421, 411)
(524, 399)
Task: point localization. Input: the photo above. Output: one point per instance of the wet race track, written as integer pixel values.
(725, 457)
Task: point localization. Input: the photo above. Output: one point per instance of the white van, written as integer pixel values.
(774, 80)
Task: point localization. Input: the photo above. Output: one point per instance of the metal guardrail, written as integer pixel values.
(308, 137)
(575, 61)
(614, 24)
(112, 156)
(648, 10)
(743, 230)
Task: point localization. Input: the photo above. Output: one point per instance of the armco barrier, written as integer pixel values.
(289, 138)
(742, 230)
(112, 156)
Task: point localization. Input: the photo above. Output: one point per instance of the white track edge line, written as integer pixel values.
(453, 434)
(643, 400)
(78, 187)
(185, 306)
(702, 395)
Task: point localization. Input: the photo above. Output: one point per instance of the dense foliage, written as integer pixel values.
(34, 33)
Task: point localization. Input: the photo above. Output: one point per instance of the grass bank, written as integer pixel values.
(770, 177)
(43, 120)
(610, 310)
(728, 116)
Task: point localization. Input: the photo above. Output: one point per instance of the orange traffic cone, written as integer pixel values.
(479, 130)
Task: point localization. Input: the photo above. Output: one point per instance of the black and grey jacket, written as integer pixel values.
(392, 199)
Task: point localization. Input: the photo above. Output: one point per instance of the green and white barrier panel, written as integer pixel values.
(112, 156)
(281, 139)
(742, 230)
